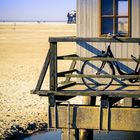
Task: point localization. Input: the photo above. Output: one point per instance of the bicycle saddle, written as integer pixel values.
(134, 58)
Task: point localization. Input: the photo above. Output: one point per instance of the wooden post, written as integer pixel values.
(53, 76)
(53, 66)
(87, 134)
(73, 134)
(53, 71)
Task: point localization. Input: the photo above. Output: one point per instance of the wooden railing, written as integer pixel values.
(103, 117)
(87, 39)
(52, 58)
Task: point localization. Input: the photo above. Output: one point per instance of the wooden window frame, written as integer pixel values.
(115, 16)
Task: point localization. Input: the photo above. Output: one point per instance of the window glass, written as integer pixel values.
(107, 7)
(122, 7)
(115, 17)
(122, 25)
(107, 25)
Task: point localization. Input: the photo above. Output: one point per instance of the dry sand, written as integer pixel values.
(23, 48)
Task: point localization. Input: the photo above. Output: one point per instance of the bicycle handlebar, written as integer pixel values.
(114, 35)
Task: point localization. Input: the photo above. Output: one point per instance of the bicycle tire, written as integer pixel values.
(97, 86)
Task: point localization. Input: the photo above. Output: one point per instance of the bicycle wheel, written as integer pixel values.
(97, 68)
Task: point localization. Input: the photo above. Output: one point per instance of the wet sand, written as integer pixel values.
(23, 48)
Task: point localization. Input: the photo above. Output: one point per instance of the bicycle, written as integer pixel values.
(105, 68)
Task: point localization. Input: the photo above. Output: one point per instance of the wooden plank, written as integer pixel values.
(136, 18)
(66, 85)
(73, 64)
(122, 93)
(62, 74)
(43, 72)
(62, 98)
(87, 117)
(102, 76)
(61, 57)
(97, 58)
(96, 39)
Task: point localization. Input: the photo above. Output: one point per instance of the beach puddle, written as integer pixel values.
(52, 135)
(114, 135)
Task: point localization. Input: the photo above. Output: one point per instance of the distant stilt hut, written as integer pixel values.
(71, 17)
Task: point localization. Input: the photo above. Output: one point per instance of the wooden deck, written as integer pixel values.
(65, 115)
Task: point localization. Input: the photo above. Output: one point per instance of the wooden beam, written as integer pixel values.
(53, 72)
(122, 93)
(97, 59)
(66, 85)
(73, 134)
(53, 66)
(113, 100)
(102, 76)
(97, 39)
(61, 57)
(72, 66)
(87, 117)
(43, 72)
(62, 74)
(63, 98)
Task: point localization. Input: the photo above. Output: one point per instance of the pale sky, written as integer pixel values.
(28, 10)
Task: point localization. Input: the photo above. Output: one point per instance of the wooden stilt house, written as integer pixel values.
(98, 22)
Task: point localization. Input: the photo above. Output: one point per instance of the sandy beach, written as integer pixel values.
(23, 48)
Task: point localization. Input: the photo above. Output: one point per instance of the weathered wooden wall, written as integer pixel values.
(88, 25)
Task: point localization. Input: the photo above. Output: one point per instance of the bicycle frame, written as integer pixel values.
(109, 53)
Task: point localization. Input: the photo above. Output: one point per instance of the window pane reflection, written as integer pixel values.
(122, 7)
(122, 25)
(107, 25)
(107, 7)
